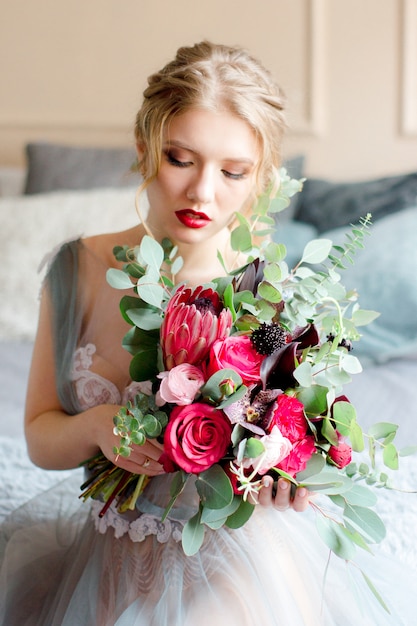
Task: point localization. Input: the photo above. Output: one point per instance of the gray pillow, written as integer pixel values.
(328, 205)
(53, 167)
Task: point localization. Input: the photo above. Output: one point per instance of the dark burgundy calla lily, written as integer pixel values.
(251, 277)
(277, 369)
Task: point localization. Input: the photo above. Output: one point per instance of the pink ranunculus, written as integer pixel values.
(297, 459)
(341, 455)
(180, 385)
(289, 417)
(277, 448)
(193, 320)
(197, 436)
(237, 353)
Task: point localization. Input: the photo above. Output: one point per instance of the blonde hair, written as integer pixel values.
(213, 77)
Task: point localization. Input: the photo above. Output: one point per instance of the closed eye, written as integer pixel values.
(232, 175)
(173, 161)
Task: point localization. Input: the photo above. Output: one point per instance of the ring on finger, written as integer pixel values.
(146, 462)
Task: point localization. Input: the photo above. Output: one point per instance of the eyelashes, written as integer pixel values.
(176, 162)
(172, 160)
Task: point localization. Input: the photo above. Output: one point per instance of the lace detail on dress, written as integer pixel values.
(93, 389)
(138, 529)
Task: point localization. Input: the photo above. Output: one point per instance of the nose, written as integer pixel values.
(201, 187)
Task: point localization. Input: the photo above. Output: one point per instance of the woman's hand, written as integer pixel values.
(142, 459)
(284, 498)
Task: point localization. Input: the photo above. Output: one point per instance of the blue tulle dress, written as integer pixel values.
(63, 565)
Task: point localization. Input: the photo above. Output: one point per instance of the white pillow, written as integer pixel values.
(32, 226)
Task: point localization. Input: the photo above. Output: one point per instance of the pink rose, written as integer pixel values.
(237, 353)
(277, 448)
(180, 385)
(341, 455)
(289, 417)
(297, 459)
(197, 436)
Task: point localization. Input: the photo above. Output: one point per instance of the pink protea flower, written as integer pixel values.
(194, 320)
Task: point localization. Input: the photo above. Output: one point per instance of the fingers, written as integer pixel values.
(301, 499)
(143, 460)
(284, 497)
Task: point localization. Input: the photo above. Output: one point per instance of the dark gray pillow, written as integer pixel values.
(328, 205)
(52, 167)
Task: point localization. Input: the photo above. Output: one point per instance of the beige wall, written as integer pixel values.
(74, 71)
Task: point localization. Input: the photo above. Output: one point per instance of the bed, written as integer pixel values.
(66, 192)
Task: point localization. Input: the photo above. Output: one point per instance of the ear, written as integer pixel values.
(140, 150)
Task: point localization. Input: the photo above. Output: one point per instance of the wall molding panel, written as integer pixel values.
(409, 68)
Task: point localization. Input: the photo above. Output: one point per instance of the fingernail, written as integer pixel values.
(283, 484)
(301, 492)
(267, 481)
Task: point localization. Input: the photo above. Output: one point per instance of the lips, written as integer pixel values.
(192, 219)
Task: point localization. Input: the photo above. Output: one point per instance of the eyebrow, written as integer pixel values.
(178, 144)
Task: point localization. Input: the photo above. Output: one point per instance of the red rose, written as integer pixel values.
(297, 459)
(196, 437)
(237, 353)
(289, 417)
(341, 455)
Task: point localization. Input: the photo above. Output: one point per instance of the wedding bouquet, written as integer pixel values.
(245, 377)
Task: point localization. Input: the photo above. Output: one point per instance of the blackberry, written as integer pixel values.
(268, 337)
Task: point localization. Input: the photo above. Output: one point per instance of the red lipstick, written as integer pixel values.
(192, 219)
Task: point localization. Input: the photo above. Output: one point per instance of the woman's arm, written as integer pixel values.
(57, 440)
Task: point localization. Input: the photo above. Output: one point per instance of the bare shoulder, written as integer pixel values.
(102, 245)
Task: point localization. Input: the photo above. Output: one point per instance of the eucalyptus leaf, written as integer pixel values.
(314, 399)
(211, 389)
(150, 292)
(253, 448)
(241, 239)
(381, 430)
(270, 293)
(361, 496)
(314, 466)
(143, 366)
(218, 517)
(316, 251)
(241, 515)
(356, 437)
(145, 318)
(362, 317)
(390, 456)
(375, 591)
(344, 414)
(328, 482)
(192, 535)
(351, 364)
(366, 522)
(303, 374)
(272, 273)
(335, 537)
(118, 279)
(151, 252)
(214, 488)
(329, 432)
(275, 252)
